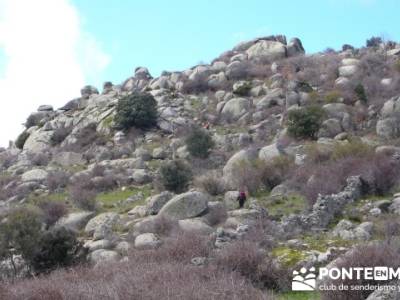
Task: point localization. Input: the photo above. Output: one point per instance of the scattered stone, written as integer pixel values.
(147, 241)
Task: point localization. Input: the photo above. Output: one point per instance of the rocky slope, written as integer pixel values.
(246, 95)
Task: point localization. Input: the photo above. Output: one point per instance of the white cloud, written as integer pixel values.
(49, 57)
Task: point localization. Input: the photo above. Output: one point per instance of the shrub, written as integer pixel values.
(20, 142)
(20, 231)
(347, 47)
(354, 148)
(175, 175)
(136, 110)
(59, 135)
(248, 175)
(199, 143)
(276, 171)
(57, 249)
(360, 93)
(305, 122)
(212, 183)
(57, 180)
(375, 255)
(81, 192)
(245, 258)
(52, 211)
(216, 214)
(373, 41)
(139, 278)
(161, 225)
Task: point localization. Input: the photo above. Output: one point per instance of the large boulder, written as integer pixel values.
(196, 226)
(38, 141)
(230, 200)
(246, 156)
(147, 241)
(388, 128)
(269, 152)
(103, 256)
(156, 202)
(75, 221)
(388, 125)
(66, 159)
(34, 175)
(348, 231)
(330, 128)
(235, 108)
(185, 206)
(108, 219)
(267, 50)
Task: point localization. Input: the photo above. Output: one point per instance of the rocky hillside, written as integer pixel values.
(145, 176)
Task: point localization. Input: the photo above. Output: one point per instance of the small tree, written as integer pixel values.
(199, 142)
(374, 41)
(175, 175)
(360, 93)
(20, 142)
(19, 234)
(305, 122)
(56, 249)
(136, 110)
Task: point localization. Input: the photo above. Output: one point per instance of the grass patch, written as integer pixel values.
(287, 256)
(107, 122)
(321, 243)
(53, 197)
(113, 201)
(283, 206)
(223, 130)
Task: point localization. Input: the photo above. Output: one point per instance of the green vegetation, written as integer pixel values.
(305, 121)
(332, 96)
(107, 122)
(284, 205)
(136, 110)
(299, 296)
(199, 143)
(287, 256)
(354, 147)
(360, 93)
(20, 142)
(175, 175)
(113, 200)
(56, 248)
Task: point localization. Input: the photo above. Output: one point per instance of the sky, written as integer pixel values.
(50, 49)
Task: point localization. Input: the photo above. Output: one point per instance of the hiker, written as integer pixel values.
(241, 198)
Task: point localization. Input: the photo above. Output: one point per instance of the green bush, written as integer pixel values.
(199, 143)
(175, 175)
(136, 110)
(305, 122)
(20, 232)
(360, 93)
(56, 249)
(20, 142)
